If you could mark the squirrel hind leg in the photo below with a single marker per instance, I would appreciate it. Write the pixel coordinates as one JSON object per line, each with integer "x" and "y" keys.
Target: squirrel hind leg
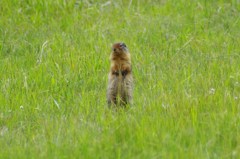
{"x": 123, "y": 102}
{"x": 112, "y": 90}
{"x": 127, "y": 94}
{"x": 126, "y": 97}
{"x": 126, "y": 100}
{"x": 112, "y": 101}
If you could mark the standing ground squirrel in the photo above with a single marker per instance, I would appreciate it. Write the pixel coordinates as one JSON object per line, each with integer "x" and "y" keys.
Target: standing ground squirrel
{"x": 120, "y": 80}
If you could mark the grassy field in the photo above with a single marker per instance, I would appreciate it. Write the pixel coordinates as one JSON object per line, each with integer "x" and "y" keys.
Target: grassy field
{"x": 54, "y": 61}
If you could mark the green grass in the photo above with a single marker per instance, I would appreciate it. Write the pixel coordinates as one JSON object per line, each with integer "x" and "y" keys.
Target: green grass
{"x": 54, "y": 63}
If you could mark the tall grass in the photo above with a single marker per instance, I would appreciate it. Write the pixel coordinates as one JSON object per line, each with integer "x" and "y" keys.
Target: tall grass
{"x": 54, "y": 61}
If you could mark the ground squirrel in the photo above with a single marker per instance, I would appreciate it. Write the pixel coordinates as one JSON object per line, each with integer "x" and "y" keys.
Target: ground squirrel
{"x": 120, "y": 80}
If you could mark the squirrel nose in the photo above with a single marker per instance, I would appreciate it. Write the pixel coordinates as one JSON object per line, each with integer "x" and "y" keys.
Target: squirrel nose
{"x": 114, "y": 49}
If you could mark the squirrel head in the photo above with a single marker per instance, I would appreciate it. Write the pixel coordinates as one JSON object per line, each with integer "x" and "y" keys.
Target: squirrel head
{"x": 119, "y": 48}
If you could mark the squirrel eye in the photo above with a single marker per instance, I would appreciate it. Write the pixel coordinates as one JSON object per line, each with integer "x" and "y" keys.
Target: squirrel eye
{"x": 123, "y": 44}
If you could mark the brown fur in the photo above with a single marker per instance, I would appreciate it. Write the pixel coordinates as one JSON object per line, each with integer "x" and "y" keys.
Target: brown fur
{"x": 120, "y": 80}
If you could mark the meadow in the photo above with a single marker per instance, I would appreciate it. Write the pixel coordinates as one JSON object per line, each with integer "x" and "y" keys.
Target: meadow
{"x": 54, "y": 63}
